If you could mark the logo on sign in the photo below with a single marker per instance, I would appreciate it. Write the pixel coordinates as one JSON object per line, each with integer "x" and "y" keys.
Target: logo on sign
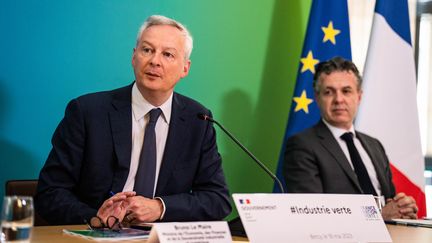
{"x": 370, "y": 212}
{"x": 244, "y": 201}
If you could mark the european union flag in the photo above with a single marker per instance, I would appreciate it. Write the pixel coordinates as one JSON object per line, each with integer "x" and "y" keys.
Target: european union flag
{"x": 327, "y": 36}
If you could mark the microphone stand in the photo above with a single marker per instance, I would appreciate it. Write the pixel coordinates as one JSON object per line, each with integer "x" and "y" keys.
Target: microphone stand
{"x": 236, "y": 225}
{"x": 205, "y": 117}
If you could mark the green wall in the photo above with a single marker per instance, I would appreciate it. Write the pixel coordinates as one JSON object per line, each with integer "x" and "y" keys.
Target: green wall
{"x": 244, "y": 67}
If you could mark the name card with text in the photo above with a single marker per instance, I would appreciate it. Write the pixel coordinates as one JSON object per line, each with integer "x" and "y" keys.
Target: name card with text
{"x": 314, "y": 218}
{"x": 191, "y": 232}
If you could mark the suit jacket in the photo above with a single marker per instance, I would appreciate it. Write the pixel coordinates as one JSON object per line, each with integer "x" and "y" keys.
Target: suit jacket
{"x": 91, "y": 155}
{"x": 315, "y": 163}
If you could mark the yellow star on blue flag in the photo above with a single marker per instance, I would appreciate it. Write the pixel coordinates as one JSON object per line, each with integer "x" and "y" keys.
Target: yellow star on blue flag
{"x": 330, "y": 33}
{"x": 309, "y": 63}
{"x": 302, "y": 102}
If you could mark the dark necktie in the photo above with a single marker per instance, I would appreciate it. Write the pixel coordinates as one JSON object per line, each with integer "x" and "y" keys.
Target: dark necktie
{"x": 145, "y": 176}
{"x": 359, "y": 167}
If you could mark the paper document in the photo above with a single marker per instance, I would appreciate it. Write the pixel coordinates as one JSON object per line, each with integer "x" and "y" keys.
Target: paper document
{"x": 109, "y": 235}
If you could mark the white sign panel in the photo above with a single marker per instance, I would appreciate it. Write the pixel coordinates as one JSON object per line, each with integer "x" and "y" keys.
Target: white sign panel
{"x": 191, "y": 232}
{"x": 314, "y": 218}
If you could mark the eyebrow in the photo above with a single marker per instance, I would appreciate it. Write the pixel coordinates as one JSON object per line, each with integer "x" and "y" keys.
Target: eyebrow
{"x": 145, "y": 43}
{"x": 150, "y": 44}
{"x": 344, "y": 87}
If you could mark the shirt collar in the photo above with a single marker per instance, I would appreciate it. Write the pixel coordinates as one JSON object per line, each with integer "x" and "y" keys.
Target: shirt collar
{"x": 140, "y": 106}
{"x": 337, "y": 132}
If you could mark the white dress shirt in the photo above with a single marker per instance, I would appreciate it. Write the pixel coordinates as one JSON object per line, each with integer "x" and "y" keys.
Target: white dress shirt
{"x": 337, "y": 133}
{"x": 140, "y": 118}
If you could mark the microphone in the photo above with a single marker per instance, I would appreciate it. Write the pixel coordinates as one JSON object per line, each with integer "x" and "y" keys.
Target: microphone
{"x": 208, "y": 118}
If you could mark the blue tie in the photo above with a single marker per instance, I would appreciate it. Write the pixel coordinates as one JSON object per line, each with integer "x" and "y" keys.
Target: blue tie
{"x": 359, "y": 167}
{"x": 146, "y": 173}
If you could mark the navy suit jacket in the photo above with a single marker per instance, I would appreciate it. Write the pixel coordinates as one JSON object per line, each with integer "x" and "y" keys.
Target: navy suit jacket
{"x": 92, "y": 151}
{"x": 315, "y": 163}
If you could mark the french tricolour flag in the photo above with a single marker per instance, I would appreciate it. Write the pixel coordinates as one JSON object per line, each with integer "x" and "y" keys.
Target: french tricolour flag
{"x": 388, "y": 109}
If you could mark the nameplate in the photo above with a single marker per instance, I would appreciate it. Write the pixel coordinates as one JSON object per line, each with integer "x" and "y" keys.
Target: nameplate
{"x": 311, "y": 218}
{"x": 208, "y": 231}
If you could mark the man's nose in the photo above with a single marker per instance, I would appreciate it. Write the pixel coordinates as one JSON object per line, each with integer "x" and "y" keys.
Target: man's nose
{"x": 338, "y": 97}
{"x": 155, "y": 59}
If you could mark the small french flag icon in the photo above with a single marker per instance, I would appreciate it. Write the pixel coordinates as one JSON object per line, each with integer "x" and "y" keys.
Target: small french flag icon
{"x": 244, "y": 201}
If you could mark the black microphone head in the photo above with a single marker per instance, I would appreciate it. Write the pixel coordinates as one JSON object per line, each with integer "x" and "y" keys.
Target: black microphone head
{"x": 202, "y": 116}
{"x": 205, "y": 117}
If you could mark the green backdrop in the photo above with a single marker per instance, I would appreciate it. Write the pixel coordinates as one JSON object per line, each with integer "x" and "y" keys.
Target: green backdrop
{"x": 244, "y": 66}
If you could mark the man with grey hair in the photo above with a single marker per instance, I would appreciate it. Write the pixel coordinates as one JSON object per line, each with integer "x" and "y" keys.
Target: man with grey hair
{"x": 332, "y": 157}
{"x": 138, "y": 153}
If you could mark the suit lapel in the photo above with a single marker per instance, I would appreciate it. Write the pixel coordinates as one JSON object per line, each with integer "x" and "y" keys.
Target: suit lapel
{"x": 121, "y": 128}
{"x": 176, "y": 135}
{"x": 332, "y": 146}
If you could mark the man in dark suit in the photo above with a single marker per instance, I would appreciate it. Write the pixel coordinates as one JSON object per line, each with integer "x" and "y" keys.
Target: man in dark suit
{"x": 320, "y": 159}
{"x": 98, "y": 167}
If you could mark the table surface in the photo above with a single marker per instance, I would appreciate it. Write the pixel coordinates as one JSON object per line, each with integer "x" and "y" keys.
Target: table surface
{"x": 399, "y": 234}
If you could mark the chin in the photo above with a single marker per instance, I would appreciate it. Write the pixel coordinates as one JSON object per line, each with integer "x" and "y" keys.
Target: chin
{"x": 149, "y": 84}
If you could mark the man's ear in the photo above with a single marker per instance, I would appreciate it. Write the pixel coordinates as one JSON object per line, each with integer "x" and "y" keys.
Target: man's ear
{"x": 186, "y": 68}
{"x": 133, "y": 56}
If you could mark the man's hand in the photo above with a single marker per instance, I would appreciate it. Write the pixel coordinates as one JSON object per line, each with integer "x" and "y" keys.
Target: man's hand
{"x": 141, "y": 209}
{"x": 115, "y": 206}
{"x": 407, "y": 205}
{"x": 401, "y": 206}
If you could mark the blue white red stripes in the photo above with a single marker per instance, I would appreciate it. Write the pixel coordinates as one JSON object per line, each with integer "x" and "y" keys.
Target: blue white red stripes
{"x": 388, "y": 110}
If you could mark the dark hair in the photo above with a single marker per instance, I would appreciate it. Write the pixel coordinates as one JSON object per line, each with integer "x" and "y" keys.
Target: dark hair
{"x": 333, "y": 65}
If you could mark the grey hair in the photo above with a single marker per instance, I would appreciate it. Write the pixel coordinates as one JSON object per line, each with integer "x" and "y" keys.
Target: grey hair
{"x": 162, "y": 20}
